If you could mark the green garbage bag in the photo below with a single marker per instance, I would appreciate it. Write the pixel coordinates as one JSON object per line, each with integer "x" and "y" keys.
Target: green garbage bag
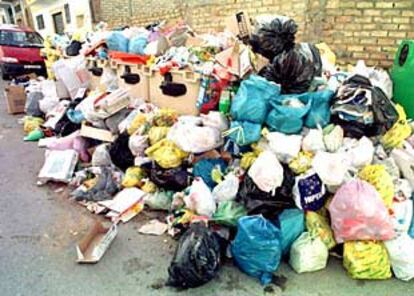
{"x": 229, "y": 212}
{"x": 34, "y": 135}
{"x": 160, "y": 200}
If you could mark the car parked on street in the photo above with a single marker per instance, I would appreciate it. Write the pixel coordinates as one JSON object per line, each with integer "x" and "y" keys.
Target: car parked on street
{"x": 20, "y": 52}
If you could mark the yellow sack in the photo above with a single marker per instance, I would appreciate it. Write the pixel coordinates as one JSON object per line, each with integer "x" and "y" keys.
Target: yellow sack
{"x": 301, "y": 163}
{"x": 377, "y": 176}
{"x": 166, "y": 154}
{"x": 367, "y": 260}
{"x": 157, "y": 133}
{"x": 149, "y": 187}
{"x": 318, "y": 225}
{"x": 165, "y": 117}
{"x": 31, "y": 123}
{"x": 400, "y": 131}
{"x": 133, "y": 177}
{"x": 139, "y": 120}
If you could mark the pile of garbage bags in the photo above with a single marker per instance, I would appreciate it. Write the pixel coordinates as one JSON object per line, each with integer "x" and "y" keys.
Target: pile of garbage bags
{"x": 292, "y": 160}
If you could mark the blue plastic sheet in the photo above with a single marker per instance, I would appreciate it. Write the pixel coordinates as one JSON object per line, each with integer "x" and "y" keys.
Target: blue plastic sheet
{"x": 118, "y": 42}
{"x": 244, "y": 132}
{"x": 137, "y": 45}
{"x": 292, "y": 224}
{"x": 251, "y": 103}
{"x": 257, "y": 249}
{"x": 203, "y": 168}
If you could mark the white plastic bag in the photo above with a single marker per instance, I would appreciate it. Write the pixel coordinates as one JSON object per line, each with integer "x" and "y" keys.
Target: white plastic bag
{"x": 266, "y": 172}
{"x": 100, "y": 156}
{"x": 403, "y": 214}
{"x": 400, "y": 251}
{"x": 308, "y": 254}
{"x": 215, "y": 120}
{"x": 137, "y": 144}
{"x": 200, "y": 200}
{"x": 333, "y": 140}
{"x": 226, "y": 189}
{"x": 313, "y": 141}
{"x": 404, "y": 159}
{"x": 359, "y": 153}
{"x": 331, "y": 167}
{"x": 286, "y": 147}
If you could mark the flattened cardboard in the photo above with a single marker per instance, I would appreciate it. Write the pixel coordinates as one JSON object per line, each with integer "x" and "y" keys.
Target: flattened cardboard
{"x": 96, "y": 133}
{"x": 239, "y": 24}
{"x": 15, "y": 99}
{"x": 95, "y": 243}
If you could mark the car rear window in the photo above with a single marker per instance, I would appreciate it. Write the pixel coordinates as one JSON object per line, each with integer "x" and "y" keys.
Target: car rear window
{"x": 21, "y": 39}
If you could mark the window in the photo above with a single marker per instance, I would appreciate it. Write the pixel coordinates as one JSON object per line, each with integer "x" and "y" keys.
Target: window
{"x": 17, "y": 8}
{"x": 21, "y": 39}
{"x": 58, "y": 22}
{"x": 40, "y": 22}
{"x": 67, "y": 13}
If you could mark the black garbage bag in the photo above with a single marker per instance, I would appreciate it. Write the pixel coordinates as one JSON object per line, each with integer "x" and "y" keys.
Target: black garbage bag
{"x": 362, "y": 109}
{"x": 65, "y": 126}
{"x": 73, "y": 48}
{"x": 197, "y": 258}
{"x": 269, "y": 205}
{"x": 273, "y": 37}
{"x": 176, "y": 179}
{"x": 105, "y": 187}
{"x": 294, "y": 69}
{"x": 120, "y": 154}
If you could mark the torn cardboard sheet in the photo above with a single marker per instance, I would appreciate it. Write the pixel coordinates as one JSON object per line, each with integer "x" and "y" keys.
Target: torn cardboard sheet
{"x": 59, "y": 166}
{"x": 96, "y": 133}
{"x": 95, "y": 243}
{"x": 114, "y": 102}
{"x": 153, "y": 227}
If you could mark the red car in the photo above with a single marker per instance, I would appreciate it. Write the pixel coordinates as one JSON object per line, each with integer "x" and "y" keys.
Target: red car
{"x": 20, "y": 52}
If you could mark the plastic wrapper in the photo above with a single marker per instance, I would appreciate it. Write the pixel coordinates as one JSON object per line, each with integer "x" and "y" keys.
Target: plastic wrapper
{"x": 358, "y": 213}
{"x": 318, "y": 225}
{"x": 257, "y": 249}
{"x": 200, "y": 199}
{"x": 166, "y": 154}
{"x": 400, "y": 251}
{"x": 309, "y": 192}
{"x": 273, "y": 34}
{"x": 228, "y": 213}
{"x": 120, "y": 154}
{"x": 227, "y": 189}
{"x": 377, "y": 176}
{"x": 269, "y": 204}
{"x": 133, "y": 177}
{"x": 266, "y": 172}
{"x": 251, "y": 102}
{"x": 291, "y": 224}
{"x": 294, "y": 69}
{"x": 367, "y": 260}
{"x": 308, "y": 254}
{"x": 197, "y": 258}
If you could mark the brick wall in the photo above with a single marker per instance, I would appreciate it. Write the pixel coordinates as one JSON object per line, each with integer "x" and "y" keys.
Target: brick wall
{"x": 354, "y": 29}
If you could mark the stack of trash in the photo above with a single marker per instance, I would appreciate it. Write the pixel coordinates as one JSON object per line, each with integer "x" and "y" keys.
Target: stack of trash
{"x": 293, "y": 159}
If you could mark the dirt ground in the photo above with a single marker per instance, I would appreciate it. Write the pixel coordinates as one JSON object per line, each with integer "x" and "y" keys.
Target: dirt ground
{"x": 39, "y": 227}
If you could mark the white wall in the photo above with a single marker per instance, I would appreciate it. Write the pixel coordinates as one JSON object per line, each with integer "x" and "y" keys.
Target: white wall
{"x": 46, "y": 8}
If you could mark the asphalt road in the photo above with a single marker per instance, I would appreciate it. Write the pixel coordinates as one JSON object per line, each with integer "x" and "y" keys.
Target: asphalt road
{"x": 40, "y": 227}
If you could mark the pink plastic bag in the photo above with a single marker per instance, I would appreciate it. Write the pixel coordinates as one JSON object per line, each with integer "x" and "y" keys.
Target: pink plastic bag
{"x": 73, "y": 141}
{"x": 358, "y": 213}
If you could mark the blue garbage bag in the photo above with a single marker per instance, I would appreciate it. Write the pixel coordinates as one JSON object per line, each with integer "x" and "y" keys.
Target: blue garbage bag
{"x": 137, "y": 45}
{"x": 244, "y": 132}
{"x": 251, "y": 102}
{"x": 288, "y": 112}
{"x": 118, "y": 42}
{"x": 203, "y": 168}
{"x": 320, "y": 113}
{"x": 257, "y": 249}
{"x": 292, "y": 224}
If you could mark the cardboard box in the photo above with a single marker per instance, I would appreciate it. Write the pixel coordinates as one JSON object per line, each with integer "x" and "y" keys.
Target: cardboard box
{"x": 15, "y": 98}
{"x": 95, "y": 243}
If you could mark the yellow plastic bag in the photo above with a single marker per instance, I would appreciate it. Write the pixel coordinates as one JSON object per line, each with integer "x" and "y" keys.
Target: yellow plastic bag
{"x": 249, "y": 157}
{"x": 377, "y": 176}
{"x": 31, "y": 123}
{"x": 400, "y": 131}
{"x": 149, "y": 187}
{"x": 318, "y": 225}
{"x": 157, "y": 133}
{"x": 166, "y": 154}
{"x": 165, "y": 117}
{"x": 133, "y": 177}
{"x": 301, "y": 163}
{"x": 139, "y": 120}
{"x": 367, "y": 260}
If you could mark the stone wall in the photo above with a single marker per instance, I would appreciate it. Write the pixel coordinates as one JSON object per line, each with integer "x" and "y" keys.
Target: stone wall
{"x": 354, "y": 29}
